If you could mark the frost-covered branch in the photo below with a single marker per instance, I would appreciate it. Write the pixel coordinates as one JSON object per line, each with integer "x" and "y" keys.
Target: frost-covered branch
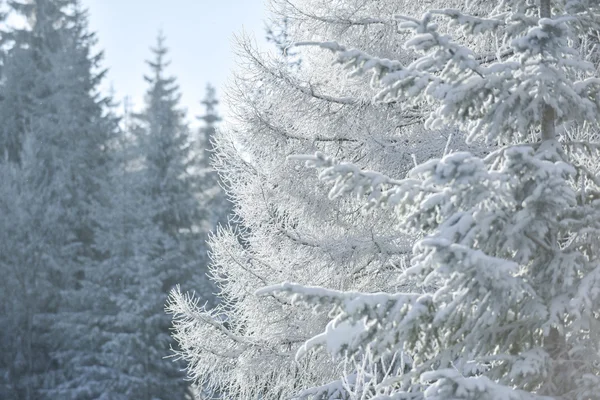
{"x": 468, "y": 93}
{"x": 187, "y": 314}
{"x": 347, "y": 178}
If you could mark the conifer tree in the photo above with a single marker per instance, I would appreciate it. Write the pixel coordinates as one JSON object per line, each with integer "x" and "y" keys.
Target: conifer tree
{"x": 166, "y": 145}
{"x": 216, "y": 204}
{"x": 27, "y": 292}
{"x": 509, "y": 243}
{"x": 130, "y": 296}
{"x": 174, "y": 245}
{"x": 55, "y": 135}
{"x": 211, "y": 117}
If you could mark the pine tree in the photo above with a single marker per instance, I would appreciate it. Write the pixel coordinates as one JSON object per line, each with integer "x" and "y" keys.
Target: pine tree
{"x": 509, "y": 247}
{"x": 130, "y": 296}
{"x": 216, "y": 206}
{"x": 173, "y": 245}
{"x": 211, "y": 117}
{"x": 27, "y": 293}
{"x": 55, "y": 133}
{"x": 166, "y": 146}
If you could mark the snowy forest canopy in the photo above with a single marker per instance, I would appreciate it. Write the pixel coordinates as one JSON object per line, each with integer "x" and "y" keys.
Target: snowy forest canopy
{"x": 415, "y": 210}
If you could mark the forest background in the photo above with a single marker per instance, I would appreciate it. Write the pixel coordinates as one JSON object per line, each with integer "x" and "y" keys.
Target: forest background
{"x": 107, "y": 200}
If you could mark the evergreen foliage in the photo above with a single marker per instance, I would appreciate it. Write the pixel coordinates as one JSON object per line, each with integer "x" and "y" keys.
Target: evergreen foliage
{"x": 174, "y": 242}
{"x": 55, "y": 135}
{"x": 97, "y": 224}
{"x": 217, "y": 207}
{"x": 509, "y": 245}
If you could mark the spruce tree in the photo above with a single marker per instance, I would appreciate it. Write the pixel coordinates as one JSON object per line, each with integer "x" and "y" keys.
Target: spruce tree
{"x": 216, "y": 204}
{"x": 130, "y": 296}
{"x": 166, "y": 145}
{"x": 55, "y": 134}
{"x": 28, "y": 294}
{"x": 509, "y": 248}
{"x": 174, "y": 244}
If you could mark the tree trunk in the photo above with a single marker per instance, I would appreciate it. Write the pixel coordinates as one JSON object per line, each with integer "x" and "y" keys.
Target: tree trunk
{"x": 545, "y": 9}
{"x": 554, "y": 343}
{"x": 548, "y": 113}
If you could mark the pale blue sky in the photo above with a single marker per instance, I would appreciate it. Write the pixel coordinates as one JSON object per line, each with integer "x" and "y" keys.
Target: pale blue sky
{"x": 199, "y": 35}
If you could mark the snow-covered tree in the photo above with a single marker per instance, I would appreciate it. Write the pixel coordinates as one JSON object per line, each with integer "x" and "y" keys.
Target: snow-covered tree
{"x": 129, "y": 285}
{"x": 27, "y": 291}
{"x": 287, "y": 231}
{"x": 172, "y": 242}
{"x": 211, "y": 116}
{"x": 509, "y": 252}
{"x": 54, "y": 135}
{"x": 168, "y": 162}
{"x": 214, "y": 201}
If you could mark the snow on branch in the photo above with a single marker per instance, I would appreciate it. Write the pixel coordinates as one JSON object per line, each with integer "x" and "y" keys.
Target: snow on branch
{"x": 187, "y": 315}
{"x": 471, "y": 24}
{"x": 347, "y": 178}
{"x": 330, "y": 390}
{"x": 499, "y": 102}
{"x": 353, "y": 302}
{"x": 358, "y": 310}
{"x": 421, "y": 188}
{"x": 360, "y": 62}
{"x": 480, "y": 387}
